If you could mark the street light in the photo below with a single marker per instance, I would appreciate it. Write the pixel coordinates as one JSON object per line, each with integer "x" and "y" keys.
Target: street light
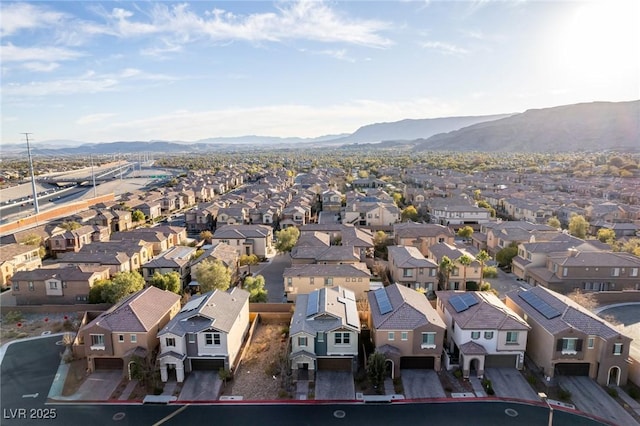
{"x": 543, "y": 396}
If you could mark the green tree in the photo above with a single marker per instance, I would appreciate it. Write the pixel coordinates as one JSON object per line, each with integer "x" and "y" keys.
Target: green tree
{"x": 70, "y": 225}
{"x": 578, "y": 226}
{"x": 409, "y": 213}
{"x": 397, "y": 198}
{"x": 138, "y": 216}
{"x": 255, "y": 287}
{"x": 206, "y": 236}
{"x": 482, "y": 258}
{"x": 606, "y": 235}
{"x": 476, "y": 194}
{"x": 446, "y": 266}
{"x": 170, "y": 281}
{"x": 211, "y": 275}
{"x": 32, "y": 240}
{"x": 464, "y": 260}
{"x": 554, "y": 222}
{"x": 465, "y": 232}
{"x": 485, "y": 205}
{"x": 95, "y": 292}
{"x": 122, "y": 285}
{"x": 376, "y": 371}
{"x": 506, "y": 255}
{"x": 248, "y": 259}
{"x": 287, "y": 239}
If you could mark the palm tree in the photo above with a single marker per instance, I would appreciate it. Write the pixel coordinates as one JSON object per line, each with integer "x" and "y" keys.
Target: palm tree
{"x": 446, "y": 265}
{"x": 464, "y": 260}
{"x": 482, "y": 257}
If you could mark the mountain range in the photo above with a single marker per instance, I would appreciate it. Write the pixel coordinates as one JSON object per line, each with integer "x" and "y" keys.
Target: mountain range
{"x": 592, "y": 126}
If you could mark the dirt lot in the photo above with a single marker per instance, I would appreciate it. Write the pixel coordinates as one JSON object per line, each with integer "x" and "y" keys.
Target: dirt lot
{"x": 17, "y": 326}
{"x": 262, "y": 374}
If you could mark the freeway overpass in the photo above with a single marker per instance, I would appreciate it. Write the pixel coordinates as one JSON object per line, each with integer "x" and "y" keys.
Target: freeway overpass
{"x": 84, "y": 176}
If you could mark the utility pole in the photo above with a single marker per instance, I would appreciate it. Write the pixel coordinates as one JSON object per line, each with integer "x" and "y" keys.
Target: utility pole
{"x": 93, "y": 177}
{"x": 33, "y": 178}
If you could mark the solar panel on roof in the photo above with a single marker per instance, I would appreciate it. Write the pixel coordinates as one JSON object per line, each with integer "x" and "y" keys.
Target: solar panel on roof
{"x": 351, "y": 312}
{"x": 469, "y": 299}
{"x": 313, "y": 303}
{"x": 540, "y": 305}
{"x": 348, "y": 294}
{"x": 458, "y": 304}
{"x": 383, "y": 301}
{"x": 191, "y": 305}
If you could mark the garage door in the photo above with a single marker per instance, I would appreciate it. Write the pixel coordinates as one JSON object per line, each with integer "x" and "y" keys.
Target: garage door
{"x": 207, "y": 364}
{"x": 500, "y": 361}
{"x": 572, "y": 369}
{"x": 108, "y": 363}
{"x": 417, "y": 362}
{"x": 334, "y": 364}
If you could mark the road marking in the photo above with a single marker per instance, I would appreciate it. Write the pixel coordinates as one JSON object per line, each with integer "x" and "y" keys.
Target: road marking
{"x": 31, "y": 395}
{"x": 175, "y": 413}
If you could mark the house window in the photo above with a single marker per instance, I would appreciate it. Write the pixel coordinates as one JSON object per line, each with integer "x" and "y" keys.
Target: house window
{"x": 120, "y": 338}
{"x": 428, "y": 341}
{"x": 16, "y": 286}
{"x": 289, "y": 281}
{"x": 31, "y": 287}
{"x": 633, "y": 272}
{"x": 617, "y": 348}
{"x": 407, "y": 272}
{"x": 565, "y": 272}
{"x": 475, "y": 335}
{"x": 320, "y": 337}
{"x": 404, "y": 336}
{"x": 569, "y": 346}
{"x": 53, "y": 285}
{"x": 97, "y": 341}
{"x": 170, "y": 341}
{"x": 615, "y": 272}
{"x": 212, "y": 339}
{"x": 328, "y": 281}
{"x": 191, "y": 338}
{"x": 342, "y": 338}
{"x": 311, "y": 280}
{"x": 512, "y": 338}
{"x": 488, "y": 335}
{"x": 302, "y": 341}
{"x": 591, "y": 342}
{"x": 134, "y": 338}
{"x": 421, "y": 271}
{"x": 391, "y": 336}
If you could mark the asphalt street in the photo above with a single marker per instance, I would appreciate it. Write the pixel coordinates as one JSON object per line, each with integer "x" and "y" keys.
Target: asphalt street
{"x": 272, "y": 272}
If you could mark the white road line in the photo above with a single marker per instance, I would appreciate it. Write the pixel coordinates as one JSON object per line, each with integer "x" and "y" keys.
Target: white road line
{"x": 175, "y": 413}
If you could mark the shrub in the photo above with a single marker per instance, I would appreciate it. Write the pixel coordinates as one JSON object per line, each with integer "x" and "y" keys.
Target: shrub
{"x": 531, "y": 379}
{"x": 13, "y": 316}
{"x": 634, "y": 393}
{"x": 564, "y": 395}
{"x": 612, "y": 392}
{"x": 490, "y": 391}
{"x": 490, "y": 272}
{"x": 448, "y": 389}
{"x": 457, "y": 373}
{"x": 283, "y": 394}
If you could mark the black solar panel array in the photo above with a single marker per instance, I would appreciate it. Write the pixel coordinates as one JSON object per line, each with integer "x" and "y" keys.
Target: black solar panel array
{"x": 540, "y": 305}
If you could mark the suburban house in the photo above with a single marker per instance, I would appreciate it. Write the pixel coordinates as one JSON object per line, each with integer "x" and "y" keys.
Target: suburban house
{"x": 567, "y": 339}
{"x": 406, "y": 329}
{"x": 206, "y": 334}
{"x": 176, "y": 259}
{"x": 457, "y": 212}
{"x": 17, "y": 257}
{"x": 331, "y": 201}
{"x": 324, "y": 331}
{"x": 247, "y": 239}
{"x": 587, "y": 270}
{"x": 75, "y": 239}
{"x": 408, "y": 267}
{"x": 482, "y": 332}
{"x": 161, "y": 238}
{"x": 422, "y": 235}
{"x": 460, "y": 274}
{"x": 119, "y": 256}
{"x": 109, "y": 340}
{"x": 56, "y": 286}
{"x": 303, "y": 279}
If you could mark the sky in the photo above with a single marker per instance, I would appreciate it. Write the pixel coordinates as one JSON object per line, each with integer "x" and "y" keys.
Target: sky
{"x": 185, "y": 71}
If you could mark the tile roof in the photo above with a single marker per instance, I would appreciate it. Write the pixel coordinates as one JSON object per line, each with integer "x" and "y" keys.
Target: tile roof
{"x": 335, "y": 306}
{"x": 410, "y": 309}
{"x": 139, "y": 312}
{"x": 328, "y": 270}
{"x": 489, "y": 313}
{"x": 409, "y": 257}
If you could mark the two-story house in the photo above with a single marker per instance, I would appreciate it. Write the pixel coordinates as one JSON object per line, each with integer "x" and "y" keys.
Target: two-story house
{"x": 247, "y": 239}
{"x": 408, "y": 267}
{"x": 176, "y": 259}
{"x": 303, "y": 279}
{"x": 568, "y": 340}
{"x": 406, "y": 329}
{"x": 109, "y": 340}
{"x": 422, "y": 235}
{"x": 74, "y": 240}
{"x": 324, "y": 331}
{"x": 206, "y": 334}
{"x": 482, "y": 332}
{"x": 17, "y": 257}
{"x": 460, "y": 274}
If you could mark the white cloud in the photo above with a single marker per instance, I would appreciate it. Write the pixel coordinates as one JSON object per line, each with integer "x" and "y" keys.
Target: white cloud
{"x": 41, "y": 66}
{"x": 25, "y": 16}
{"x": 94, "y": 118}
{"x": 445, "y": 48}
{"x": 11, "y": 53}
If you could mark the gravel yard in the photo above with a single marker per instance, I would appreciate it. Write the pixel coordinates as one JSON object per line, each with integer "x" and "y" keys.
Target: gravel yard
{"x": 16, "y": 325}
{"x": 260, "y": 375}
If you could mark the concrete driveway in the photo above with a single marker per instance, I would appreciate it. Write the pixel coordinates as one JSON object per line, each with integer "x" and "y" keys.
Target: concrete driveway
{"x": 201, "y": 386}
{"x": 421, "y": 384}
{"x": 509, "y": 383}
{"x": 98, "y": 386}
{"x": 591, "y": 398}
{"x": 335, "y": 385}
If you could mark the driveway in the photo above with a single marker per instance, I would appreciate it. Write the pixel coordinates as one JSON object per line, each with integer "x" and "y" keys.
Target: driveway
{"x": 509, "y": 383}
{"x": 421, "y": 384}
{"x": 272, "y": 272}
{"x": 201, "y": 386}
{"x": 591, "y": 398}
{"x": 335, "y": 385}
{"x": 98, "y": 386}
